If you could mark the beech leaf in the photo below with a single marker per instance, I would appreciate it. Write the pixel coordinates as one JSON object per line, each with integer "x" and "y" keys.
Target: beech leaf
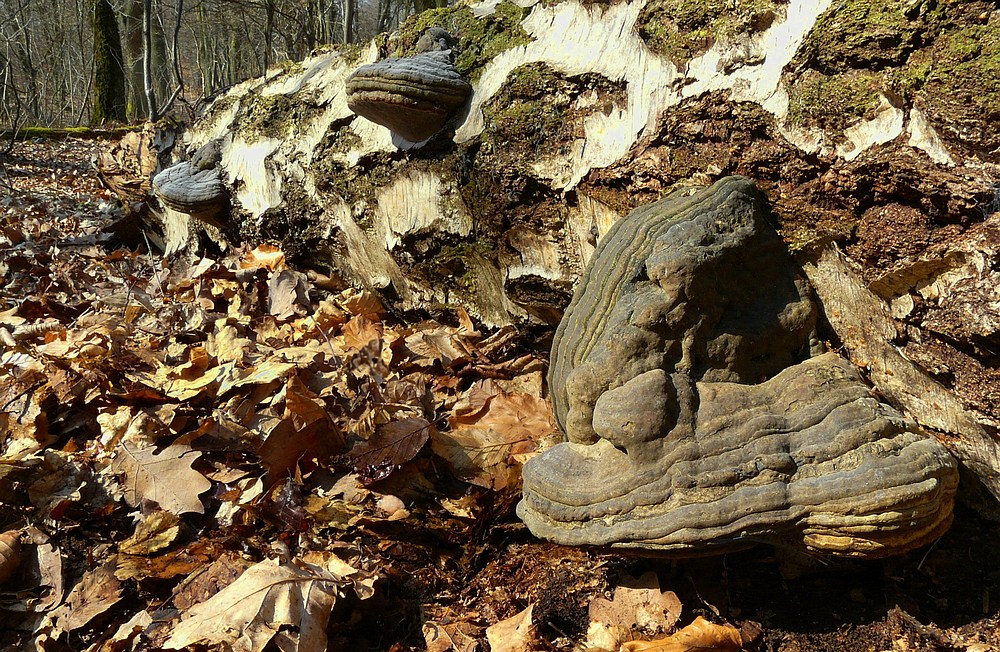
{"x": 393, "y": 444}
{"x": 10, "y": 553}
{"x": 638, "y": 604}
{"x": 488, "y": 429}
{"x": 165, "y": 478}
{"x": 93, "y": 596}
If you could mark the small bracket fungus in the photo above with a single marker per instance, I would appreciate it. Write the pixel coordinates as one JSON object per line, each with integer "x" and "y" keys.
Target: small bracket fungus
{"x": 194, "y": 187}
{"x": 413, "y": 96}
{"x": 703, "y": 416}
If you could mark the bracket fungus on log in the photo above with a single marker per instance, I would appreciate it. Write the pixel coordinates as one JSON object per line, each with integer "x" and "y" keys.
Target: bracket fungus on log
{"x": 701, "y": 413}
{"x": 413, "y": 96}
{"x": 194, "y": 187}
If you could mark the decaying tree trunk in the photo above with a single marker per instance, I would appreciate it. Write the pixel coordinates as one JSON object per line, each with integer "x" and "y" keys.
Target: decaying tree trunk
{"x": 874, "y": 128}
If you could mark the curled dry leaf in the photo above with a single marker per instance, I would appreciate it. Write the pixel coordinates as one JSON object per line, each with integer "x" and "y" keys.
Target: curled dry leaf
{"x": 94, "y": 595}
{"x": 512, "y": 635}
{"x": 156, "y": 532}
{"x": 266, "y": 255}
{"x": 699, "y": 635}
{"x": 448, "y": 638}
{"x": 288, "y": 293}
{"x": 267, "y": 598}
{"x": 489, "y": 430}
{"x": 10, "y": 554}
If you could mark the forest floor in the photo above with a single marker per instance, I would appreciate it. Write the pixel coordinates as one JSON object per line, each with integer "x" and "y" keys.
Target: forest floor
{"x": 221, "y": 454}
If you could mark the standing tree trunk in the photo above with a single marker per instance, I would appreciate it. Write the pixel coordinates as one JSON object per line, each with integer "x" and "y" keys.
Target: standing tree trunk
{"x": 161, "y": 60}
{"x": 269, "y": 10}
{"x": 134, "y": 51}
{"x": 350, "y": 6}
{"x": 109, "y": 71}
{"x": 147, "y": 59}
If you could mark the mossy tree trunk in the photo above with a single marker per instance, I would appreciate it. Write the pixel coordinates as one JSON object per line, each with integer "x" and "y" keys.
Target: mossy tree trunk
{"x": 109, "y": 68}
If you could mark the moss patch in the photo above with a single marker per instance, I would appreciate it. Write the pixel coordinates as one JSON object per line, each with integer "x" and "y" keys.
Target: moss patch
{"x": 352, "y": 183}
{"x": 833, "y": 101}
{"x": 958, "y": 81}
{"x": 480, "y": 39}
{"x": 684, "y": 29}
{"x": 535, "y": 113}
{"x": 870, "y": 34}
{"x": 526, "y": 113}
{"x": 274, "y": 116}
{"x": 450, "y": 260}
{"x": 942, "y": 56}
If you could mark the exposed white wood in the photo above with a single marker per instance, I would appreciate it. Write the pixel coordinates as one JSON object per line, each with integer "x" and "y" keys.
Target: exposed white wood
{"x": 258, "y": 184}
{"x": 412, "y": 205}
{"x": 575, "y": 39}
{"x": 364, "y": 257}
{"x": 925, "y": 138}
{"x": 887, "y": 125}
{"x": 176, "y": 230}
{"x": 538, "y": 254}
{"x": 588, "y": 221}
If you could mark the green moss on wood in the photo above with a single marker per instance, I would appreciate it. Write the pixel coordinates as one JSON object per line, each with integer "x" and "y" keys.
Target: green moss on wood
{"x": 957, "y": 80}
{"x": 451, "y": 261}
{"x": 526, "y": 113}
{"x": 27, "y": 133}
{"x": 353, "y": 183}
{"x": 534, "y": 112}
{"x": 833, "y": 101}
{"x": 683, "y": 29}
{"x": 274, "y": 116}
{"x": 967, "y": 60}
{"x": 870, "y": 34}
{"x": 480, "y": 39}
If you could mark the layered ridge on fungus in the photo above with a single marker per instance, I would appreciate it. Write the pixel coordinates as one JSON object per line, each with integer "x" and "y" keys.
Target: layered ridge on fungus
{"x": 698, "y": 422}
{"x": 412, "y": 96}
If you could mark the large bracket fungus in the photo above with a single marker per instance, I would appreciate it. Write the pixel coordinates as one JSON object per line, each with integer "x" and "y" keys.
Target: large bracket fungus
{"x": 413, "y": 96}
{"x": 703, "y": 416}
{"x": 194, "y": 187}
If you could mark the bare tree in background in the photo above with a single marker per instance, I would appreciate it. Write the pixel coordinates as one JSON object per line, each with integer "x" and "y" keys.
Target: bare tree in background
{"x": 172, "y": 49}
